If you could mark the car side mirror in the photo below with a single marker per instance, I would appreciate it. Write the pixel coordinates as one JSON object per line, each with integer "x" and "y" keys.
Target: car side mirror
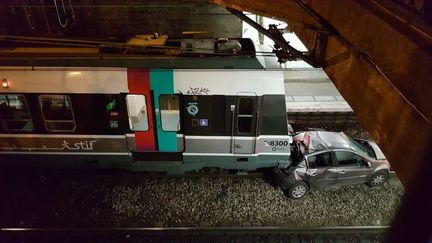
{"x": 368, "y": 164}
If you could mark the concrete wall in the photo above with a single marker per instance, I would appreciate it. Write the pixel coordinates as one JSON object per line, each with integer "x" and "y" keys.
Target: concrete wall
{"x": 118, "y": 19}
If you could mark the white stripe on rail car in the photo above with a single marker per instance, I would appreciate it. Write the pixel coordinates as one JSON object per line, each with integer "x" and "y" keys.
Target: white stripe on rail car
{"x": 66, "y": 80}
{"x": 228, "y": 82}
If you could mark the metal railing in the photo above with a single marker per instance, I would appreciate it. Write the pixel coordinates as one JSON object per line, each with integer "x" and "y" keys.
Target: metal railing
{"x": 200, "y": 234}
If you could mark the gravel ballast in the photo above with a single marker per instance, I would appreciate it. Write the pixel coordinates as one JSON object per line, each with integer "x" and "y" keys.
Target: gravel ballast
{"x": 136, "y": 200}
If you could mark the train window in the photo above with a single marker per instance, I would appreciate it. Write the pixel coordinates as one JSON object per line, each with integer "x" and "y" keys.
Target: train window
{"x": 57, "y": 112}
{"x": 170, "y": 112}
{"x": 137, "y": 112}
{"x": 245, "y": 106}
{"x": 245, "y": 115}
{"x": 14, "y": 113}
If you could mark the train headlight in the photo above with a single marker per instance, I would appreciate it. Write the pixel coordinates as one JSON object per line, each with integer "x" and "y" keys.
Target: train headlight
{"x": 5, "y": 83}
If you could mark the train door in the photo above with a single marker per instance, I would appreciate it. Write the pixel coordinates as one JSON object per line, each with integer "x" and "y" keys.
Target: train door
{"x": 170, "y": 138}
{"x": 154, "y": 116}
{"x": 140, "y": 114}
{"x": 244, "y": 129}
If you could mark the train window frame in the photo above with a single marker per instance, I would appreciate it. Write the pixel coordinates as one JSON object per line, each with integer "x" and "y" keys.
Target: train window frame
{"x": 241, "y": 115}
{"x": 178, "y": 109}
{"x": 146, "y": 117}
{"x": 58, "y": 121}
{"x": 26, "y": 106}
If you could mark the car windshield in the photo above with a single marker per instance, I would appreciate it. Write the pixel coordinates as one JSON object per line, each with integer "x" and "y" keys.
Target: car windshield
{"x": 361, "y": 148}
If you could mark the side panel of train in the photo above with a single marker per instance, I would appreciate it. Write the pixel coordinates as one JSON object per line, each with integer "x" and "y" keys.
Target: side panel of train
{"x": 143, "y": 120}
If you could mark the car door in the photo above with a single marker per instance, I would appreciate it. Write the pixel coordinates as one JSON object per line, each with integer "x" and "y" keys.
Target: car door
{"x": 351, "y": 168}
{"x": 320, "y": 170}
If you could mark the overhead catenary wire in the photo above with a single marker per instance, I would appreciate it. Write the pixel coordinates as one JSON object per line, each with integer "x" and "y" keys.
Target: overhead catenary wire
{"x": 64, "y": 25}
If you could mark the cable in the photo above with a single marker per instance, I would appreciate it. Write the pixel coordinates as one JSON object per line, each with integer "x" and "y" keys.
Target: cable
{"x": 58, "y": 14}
{"x": 63, "y": 25}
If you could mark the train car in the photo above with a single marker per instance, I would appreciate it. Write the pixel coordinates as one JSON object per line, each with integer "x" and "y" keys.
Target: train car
{"x": 143, "y": 119}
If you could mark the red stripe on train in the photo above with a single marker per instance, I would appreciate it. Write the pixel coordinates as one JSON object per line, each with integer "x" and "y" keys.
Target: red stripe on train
{"x": 139, "y": 83}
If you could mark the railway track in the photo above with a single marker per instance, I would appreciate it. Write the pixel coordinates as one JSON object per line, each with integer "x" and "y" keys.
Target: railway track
{"x": 203, "y": 234}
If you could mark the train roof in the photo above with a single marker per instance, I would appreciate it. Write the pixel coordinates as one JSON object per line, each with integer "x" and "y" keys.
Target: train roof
{"x": 250, "y": 56}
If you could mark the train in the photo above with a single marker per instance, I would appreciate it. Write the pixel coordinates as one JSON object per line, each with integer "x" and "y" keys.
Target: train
{"x": 154, "y": 115}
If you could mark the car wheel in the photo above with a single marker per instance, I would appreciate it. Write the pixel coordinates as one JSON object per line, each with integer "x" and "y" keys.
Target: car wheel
{"x": 298, "y": 190}
{"x": 377, "y": 179}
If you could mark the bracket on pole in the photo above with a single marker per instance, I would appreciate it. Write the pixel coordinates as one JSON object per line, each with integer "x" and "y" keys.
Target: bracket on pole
{"x": 283, "y": 50}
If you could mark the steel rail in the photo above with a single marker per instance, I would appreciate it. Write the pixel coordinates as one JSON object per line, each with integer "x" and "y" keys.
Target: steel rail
{"x": 200, "y": 234}
{"x": 252, "y": 230}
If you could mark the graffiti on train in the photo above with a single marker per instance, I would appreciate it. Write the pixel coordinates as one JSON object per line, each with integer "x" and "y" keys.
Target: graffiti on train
{"x": 198, "y": 91}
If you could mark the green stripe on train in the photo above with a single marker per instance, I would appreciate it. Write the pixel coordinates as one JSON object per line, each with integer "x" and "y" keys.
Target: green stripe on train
{"x": 162, "y": 82}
